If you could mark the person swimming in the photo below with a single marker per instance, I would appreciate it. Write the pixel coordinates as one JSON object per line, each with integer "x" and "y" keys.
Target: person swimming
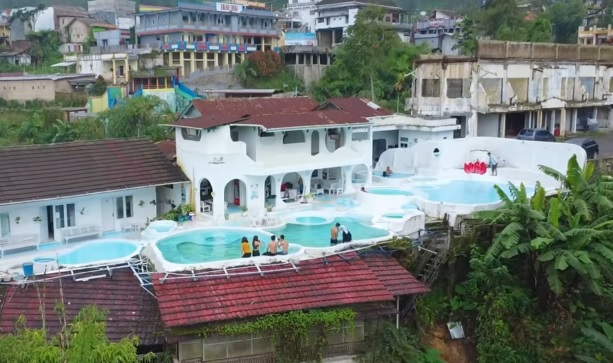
{"x": 245, "y": 247}
{"x": 334, "y": 234}
{"x": 388, "y": 171}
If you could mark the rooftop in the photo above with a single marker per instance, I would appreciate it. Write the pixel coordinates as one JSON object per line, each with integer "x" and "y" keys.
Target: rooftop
{"x": 337, "y": 280}
{"x": 272, "y": 113}
{"x": 39, "y": 172}
{"x": 130, "y": 308}
{"x": 52, "y": 77}
{"x": 206, "y": 6}
{"x": 386, "y": 3}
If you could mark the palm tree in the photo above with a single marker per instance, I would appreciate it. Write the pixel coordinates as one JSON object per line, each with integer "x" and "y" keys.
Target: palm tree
{"x": 603, "y": 339}
{"x": 63, "y": 132}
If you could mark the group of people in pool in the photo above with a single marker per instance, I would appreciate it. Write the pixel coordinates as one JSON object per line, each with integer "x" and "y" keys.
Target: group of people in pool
{"x": 272, "y": 249}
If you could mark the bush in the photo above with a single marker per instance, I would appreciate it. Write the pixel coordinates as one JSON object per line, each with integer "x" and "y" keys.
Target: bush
{"x": 266, "y": 64}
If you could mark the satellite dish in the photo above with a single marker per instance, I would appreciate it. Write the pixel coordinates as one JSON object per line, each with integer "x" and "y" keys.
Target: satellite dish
{"x": 423, "y": 13}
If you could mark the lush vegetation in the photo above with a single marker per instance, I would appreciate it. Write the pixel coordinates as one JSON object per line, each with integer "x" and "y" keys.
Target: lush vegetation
{"x": 83, "y": 340}
{"x": 137, "y": 117}
{"x": 533, "y": 282}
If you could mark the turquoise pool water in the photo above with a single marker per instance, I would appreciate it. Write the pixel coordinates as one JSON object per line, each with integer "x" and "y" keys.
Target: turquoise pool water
{"x": 311, "y": 220}
{"x": 409, "y": 206}
{"x": 209, "y": 245}
{"x": 99, "y": 251}
{"x": 393, "y": 215}
{"x": 424, "y": 179}
{"x": 393, "y": 176}
{"x": 465, "y": 192}
{"x": 388, "y": 191}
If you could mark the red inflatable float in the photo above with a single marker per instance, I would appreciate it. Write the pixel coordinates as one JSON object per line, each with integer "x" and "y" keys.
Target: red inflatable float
{"x": 475, "y": 168}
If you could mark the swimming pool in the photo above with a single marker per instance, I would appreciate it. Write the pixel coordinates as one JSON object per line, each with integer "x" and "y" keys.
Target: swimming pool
{"x": 157, "y": 229}
{"x": 388, "y": 191}
{"x": 393, "y": 175}
{"x": 465, "y": 192}
{"x": 394, "y": 215}
{"x": 211, "y": 244}
{"x": 98, "y": 252}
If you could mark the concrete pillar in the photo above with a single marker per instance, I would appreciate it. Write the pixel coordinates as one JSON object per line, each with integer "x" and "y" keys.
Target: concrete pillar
{"x": 215, "y": 60}
{"x": 573, "y": 120}
{"x": 502, "y": 124}
{"x": 219, "y": 206}
{"x": 347, "y": 173}
{"x": 563, "y": 122}
{"x": 528, "y": 121}
{"x": 181, "y": 60}
{"x": 279, "y": 203}
{"x": 114, "y": 65}
{"x": 126, "y": 70}
{"x": 539, "y": 119}
{"x": 193, "y": 63}
{"x": 224, "y": 60}
{"x": 596, "y": 114}
{"x": 306, "y": 181}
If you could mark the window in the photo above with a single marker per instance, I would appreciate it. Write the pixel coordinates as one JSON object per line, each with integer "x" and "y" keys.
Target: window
{"x": 458, "y": 88}
{"x": 121, "y": 71}
{"x": 267, "y": 134}
{"x": 191, "y": 134}
{"x": 431, "y": 87}
{"x": 65, "y": 215}
{"x": 5, "y": 224}
{"x": 293, "y": 137}
{"x": 125, "y": 207}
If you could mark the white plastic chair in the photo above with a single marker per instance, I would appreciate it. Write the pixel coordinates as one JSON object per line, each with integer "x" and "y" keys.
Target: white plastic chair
{"x": 335, "y": 188}
{"x": 204, "y": 207}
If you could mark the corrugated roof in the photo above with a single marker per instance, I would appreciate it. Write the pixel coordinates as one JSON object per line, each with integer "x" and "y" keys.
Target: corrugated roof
{"x": 388, "y": 3}
{"x": 37, "y": 172}
{"x": 130, "y": 309}
{"x": 319, "y": 283}
{"x": 279, "y": 113}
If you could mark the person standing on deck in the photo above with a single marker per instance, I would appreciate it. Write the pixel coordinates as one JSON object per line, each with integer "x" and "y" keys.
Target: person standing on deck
{"x": 493, "y": 164}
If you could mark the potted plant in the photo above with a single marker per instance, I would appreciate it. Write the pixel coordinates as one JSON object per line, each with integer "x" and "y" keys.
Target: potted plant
{"x": 309, "y": 197}
{"x": 37, "y": 219}
{"x": 141, "y": 203}
{"x": 226, "y": 216}
{"x": 269, "y": 208}
{"x": 244, "y": 210}
{"x": 17, "y": 220}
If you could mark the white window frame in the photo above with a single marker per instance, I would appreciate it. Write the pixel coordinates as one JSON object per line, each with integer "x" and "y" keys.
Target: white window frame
{"x": 123, "y": 205}
{"x": 4, "y": 233}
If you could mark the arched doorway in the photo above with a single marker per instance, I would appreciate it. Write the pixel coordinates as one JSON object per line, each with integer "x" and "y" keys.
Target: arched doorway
{"x": 292, "y": 187}
{"x": 235, "y": 196}
{"x": 359, "y": 175}
{"x": 270, "y": 190}
{"x": 315, "y": 143}
{"x": 206, "y": 196}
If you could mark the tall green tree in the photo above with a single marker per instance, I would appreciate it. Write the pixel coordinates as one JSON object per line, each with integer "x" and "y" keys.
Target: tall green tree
{"x": 467, "y": 37}
{"x": 502, "y": 18}
{"x": 138, "y": 117}
{"x": 539, "y": 30}
{"x": 566, "y": 16}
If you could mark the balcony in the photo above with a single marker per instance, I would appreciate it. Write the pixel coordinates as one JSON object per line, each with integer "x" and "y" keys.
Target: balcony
{"x": 205, "y": 27}
{"x": 211, "y": 47}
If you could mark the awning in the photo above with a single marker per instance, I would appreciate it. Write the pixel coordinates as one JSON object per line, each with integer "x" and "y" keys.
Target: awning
{"x": 63, "y": 64}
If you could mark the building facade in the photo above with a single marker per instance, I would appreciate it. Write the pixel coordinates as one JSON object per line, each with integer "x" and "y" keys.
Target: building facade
{"x": 594, "y": 35}
{"x": 207, "y": 36}
{"x": 437, "y": 31}
{"x": 45, "y": 88}
{"x": 333, "y": 17}
{"x": 509, "y": 86}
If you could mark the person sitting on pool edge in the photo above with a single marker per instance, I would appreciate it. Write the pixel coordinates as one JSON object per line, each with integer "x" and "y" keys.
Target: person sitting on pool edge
{"x": 284, "y": 245}
{"x": 256, "y": 244}
{"x": 388, "y": 171}
{"x": 334, "y": 235}
{"x": 271, "y": 249}
{"x": 245, "y": 247}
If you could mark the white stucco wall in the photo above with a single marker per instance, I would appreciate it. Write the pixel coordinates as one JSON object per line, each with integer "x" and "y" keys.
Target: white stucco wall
{"x": 88, "y": 210}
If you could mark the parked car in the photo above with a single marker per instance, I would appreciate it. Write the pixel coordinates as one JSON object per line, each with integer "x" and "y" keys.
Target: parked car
{"x": 589, "y": 145}
{"x": 536, "y": 135}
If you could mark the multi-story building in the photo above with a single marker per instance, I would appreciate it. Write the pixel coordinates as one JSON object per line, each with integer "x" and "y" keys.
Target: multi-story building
{"x": 117, "y": 12}
{"x": 437, "y": 31}
{"x": 508, "y": 86}
{"x": 207, "y": 36}
{"x": 333, "y": 17}
{"x": 594, "y": 35}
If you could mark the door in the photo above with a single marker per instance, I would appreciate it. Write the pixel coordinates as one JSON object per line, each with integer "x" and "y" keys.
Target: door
{"x": 60, "y": 216}
{"x": 378, "y": 147}
{"x": 108, "y": 215}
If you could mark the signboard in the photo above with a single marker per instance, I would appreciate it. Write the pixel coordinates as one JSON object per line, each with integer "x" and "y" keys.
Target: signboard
{"x": 229, "y": 8}
{"x": 292, "y": 38}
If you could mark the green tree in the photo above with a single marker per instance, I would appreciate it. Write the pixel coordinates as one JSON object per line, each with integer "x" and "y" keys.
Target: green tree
{"x": 566, "y": 16}
{"x": 466, "y": 38}
{"x": 502, "y": 18}
{"x": 45, "y": 46}
{"x": 604, "y": 341}
{"x": 62, "y": 132}
{"x": 138, "y": 117}
{"x": 539, "y": 31}
{"x": 82, "y": 341}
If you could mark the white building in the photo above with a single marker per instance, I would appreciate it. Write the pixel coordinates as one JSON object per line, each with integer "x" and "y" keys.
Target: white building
{"x": 509, "y": 86}
{"x": 84, "y": 189}
{"x": 333, "y": 17}
{"x": 256, "y": 153}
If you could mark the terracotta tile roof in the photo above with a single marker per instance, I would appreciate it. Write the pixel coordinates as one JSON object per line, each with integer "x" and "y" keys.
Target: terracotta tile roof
{"x": 168, "y": 148}
{"x": 35, "y": 172}
{"x": 394, "y": 277}
{"x": 317, "y": 284}
{"x": 358, "y": 106}
{"x": 279, "y": 113}
{"x": 130, "y": 309}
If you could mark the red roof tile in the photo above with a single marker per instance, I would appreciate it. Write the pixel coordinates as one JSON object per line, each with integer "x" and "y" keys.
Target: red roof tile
{"x": 317, "y": 284}
{"x": 394, "y": 277}
{"x": 168, "y": 148}
{"x": 278, "y": 113}
{"x": 35, "y": 172}
{"x": 130, "y": 309}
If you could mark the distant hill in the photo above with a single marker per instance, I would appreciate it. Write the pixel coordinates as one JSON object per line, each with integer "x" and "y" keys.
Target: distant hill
{"x": 420, "y": 5}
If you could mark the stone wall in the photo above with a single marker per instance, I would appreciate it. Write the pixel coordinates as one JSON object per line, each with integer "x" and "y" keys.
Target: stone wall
{"x": 499, "y": 50}
{"x": 308, "y": 73}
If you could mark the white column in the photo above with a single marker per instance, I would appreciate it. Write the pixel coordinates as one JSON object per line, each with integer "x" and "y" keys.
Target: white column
{"x": 563, "y": 122}
{"x": 596, "y": 114}
{"x": 219, "y": 207}
{"x": 348, "y": 185}
{"x": 573, "y": 121}
{"x": 279, "y": 203}
{"x": 503, "y": 125}
{"x": 306, "y": 181}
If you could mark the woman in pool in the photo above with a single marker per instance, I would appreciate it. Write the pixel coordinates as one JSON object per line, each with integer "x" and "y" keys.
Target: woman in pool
{"x": 256, "y": 244}
{"x": 245, "y": 247}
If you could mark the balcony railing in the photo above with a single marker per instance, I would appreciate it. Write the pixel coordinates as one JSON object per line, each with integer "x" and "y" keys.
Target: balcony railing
{"x": 211, "y": 47}
{"x": 212, "y": 28}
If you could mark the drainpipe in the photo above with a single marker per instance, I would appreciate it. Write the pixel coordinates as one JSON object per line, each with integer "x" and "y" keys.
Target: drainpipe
{"x": 397, "y": 312}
